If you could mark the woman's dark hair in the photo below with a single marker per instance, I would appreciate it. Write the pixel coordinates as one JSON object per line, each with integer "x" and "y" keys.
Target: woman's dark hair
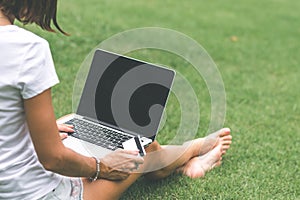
{"x": 40, "y": 12}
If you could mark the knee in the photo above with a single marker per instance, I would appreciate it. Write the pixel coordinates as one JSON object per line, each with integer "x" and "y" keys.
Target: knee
{"x": 154, "y": 146}
{"x": 158, "y": 174}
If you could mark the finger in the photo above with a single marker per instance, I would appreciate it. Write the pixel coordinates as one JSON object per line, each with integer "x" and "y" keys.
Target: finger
{"x": 65, "y": 128}
{"x": 63, "y": 135}
{"x": 62, "y": 124}
{"x": 131, "y": 152}
{"x": 130, "y": 164}
{"x": 133, "y": 166}
{"x": 127, "y": 168}
{"x": 132, "y": 157}
{"x": 129, "y": 158}
{"x": 69, "y": 125}
{"x": 139, "y": 160}
{"x": 136, "y": 165}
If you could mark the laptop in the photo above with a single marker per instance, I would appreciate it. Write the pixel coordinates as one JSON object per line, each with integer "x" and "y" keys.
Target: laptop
{"x": 123, "y": 98}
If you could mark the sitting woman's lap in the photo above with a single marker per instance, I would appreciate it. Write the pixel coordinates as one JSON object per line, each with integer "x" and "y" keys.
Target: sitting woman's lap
{"x": 69, "y": 188}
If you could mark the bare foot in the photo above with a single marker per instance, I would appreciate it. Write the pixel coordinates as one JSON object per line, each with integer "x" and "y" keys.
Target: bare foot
{"x": 212, "y": 148}
{"x": 204, "y": 145}
{"x": 225, "y": 139}
{"x": 198, "y": 166}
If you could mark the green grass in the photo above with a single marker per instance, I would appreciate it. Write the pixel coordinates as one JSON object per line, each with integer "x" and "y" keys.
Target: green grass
{"x": 260, "y": 72}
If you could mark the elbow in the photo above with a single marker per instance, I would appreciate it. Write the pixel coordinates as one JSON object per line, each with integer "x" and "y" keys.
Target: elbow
{"x": 52, "y": 163}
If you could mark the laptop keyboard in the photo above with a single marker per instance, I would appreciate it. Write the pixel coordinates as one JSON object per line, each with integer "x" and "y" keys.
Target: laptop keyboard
{"x": 97, "y": 134}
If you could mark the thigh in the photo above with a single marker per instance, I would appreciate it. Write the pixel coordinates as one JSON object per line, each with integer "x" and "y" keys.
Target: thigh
{"x": 106, "y": 189}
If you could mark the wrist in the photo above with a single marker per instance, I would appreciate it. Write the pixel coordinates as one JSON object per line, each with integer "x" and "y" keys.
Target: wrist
{"x": 95, "y": 177}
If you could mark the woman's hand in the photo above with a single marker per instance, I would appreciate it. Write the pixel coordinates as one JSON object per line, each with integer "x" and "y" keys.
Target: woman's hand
{"x": 64, "y": 129}
{"x": 119, "y": 164}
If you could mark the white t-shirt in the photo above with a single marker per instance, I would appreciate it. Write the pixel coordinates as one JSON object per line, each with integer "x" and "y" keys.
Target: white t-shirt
{"x": 26, "y": 70}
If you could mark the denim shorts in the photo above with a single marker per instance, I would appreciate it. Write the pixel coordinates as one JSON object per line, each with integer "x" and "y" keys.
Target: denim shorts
{"x": 67, "y": 189}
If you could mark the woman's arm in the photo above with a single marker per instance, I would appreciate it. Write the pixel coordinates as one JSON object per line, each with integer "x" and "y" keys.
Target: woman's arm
{"x": 54, "y": 156}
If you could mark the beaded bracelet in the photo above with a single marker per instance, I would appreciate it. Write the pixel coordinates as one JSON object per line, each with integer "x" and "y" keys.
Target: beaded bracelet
{"x": 97, "y": 170}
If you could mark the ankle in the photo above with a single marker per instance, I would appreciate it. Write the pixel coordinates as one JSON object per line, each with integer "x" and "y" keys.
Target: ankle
{"x": 196, "y": 146}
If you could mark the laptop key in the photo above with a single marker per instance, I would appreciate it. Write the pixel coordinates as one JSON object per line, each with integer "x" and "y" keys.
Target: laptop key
{"x": 96, "y": 134}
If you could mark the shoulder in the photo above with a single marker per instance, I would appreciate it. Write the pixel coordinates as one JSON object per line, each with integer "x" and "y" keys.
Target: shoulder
{"x": 25, "y": 38}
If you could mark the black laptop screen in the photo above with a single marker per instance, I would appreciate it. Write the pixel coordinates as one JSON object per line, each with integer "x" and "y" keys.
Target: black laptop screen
{"x": 125, "y": 93}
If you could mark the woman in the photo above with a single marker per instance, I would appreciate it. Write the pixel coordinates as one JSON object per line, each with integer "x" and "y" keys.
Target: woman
{"x": 34, "y": 163}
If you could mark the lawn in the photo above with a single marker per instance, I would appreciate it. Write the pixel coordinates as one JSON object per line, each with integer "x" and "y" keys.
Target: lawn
{"x": 255, "y": 45}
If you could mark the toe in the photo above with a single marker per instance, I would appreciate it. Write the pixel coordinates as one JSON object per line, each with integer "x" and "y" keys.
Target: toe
{"x": 224, "y": 131}
{"x": 225, "y": 147}
{"x": 226, "y": 142}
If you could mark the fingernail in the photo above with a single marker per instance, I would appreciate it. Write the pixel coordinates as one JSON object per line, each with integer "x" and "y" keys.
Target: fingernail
{"x": 64, "y": 135}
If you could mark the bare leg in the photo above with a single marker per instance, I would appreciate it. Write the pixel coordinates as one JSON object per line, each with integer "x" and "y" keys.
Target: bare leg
{"x": 198, "y": 166}
{"x": 159, "y": 162}
{"x": 105, "y": 189}
{"x": 180, "y": 158}
{"x": 110, "y": 190}
{"x": 211, "y": 141}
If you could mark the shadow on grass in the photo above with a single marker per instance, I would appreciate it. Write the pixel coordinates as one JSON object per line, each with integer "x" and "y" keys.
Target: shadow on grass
{"x": 168, "y": 188}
